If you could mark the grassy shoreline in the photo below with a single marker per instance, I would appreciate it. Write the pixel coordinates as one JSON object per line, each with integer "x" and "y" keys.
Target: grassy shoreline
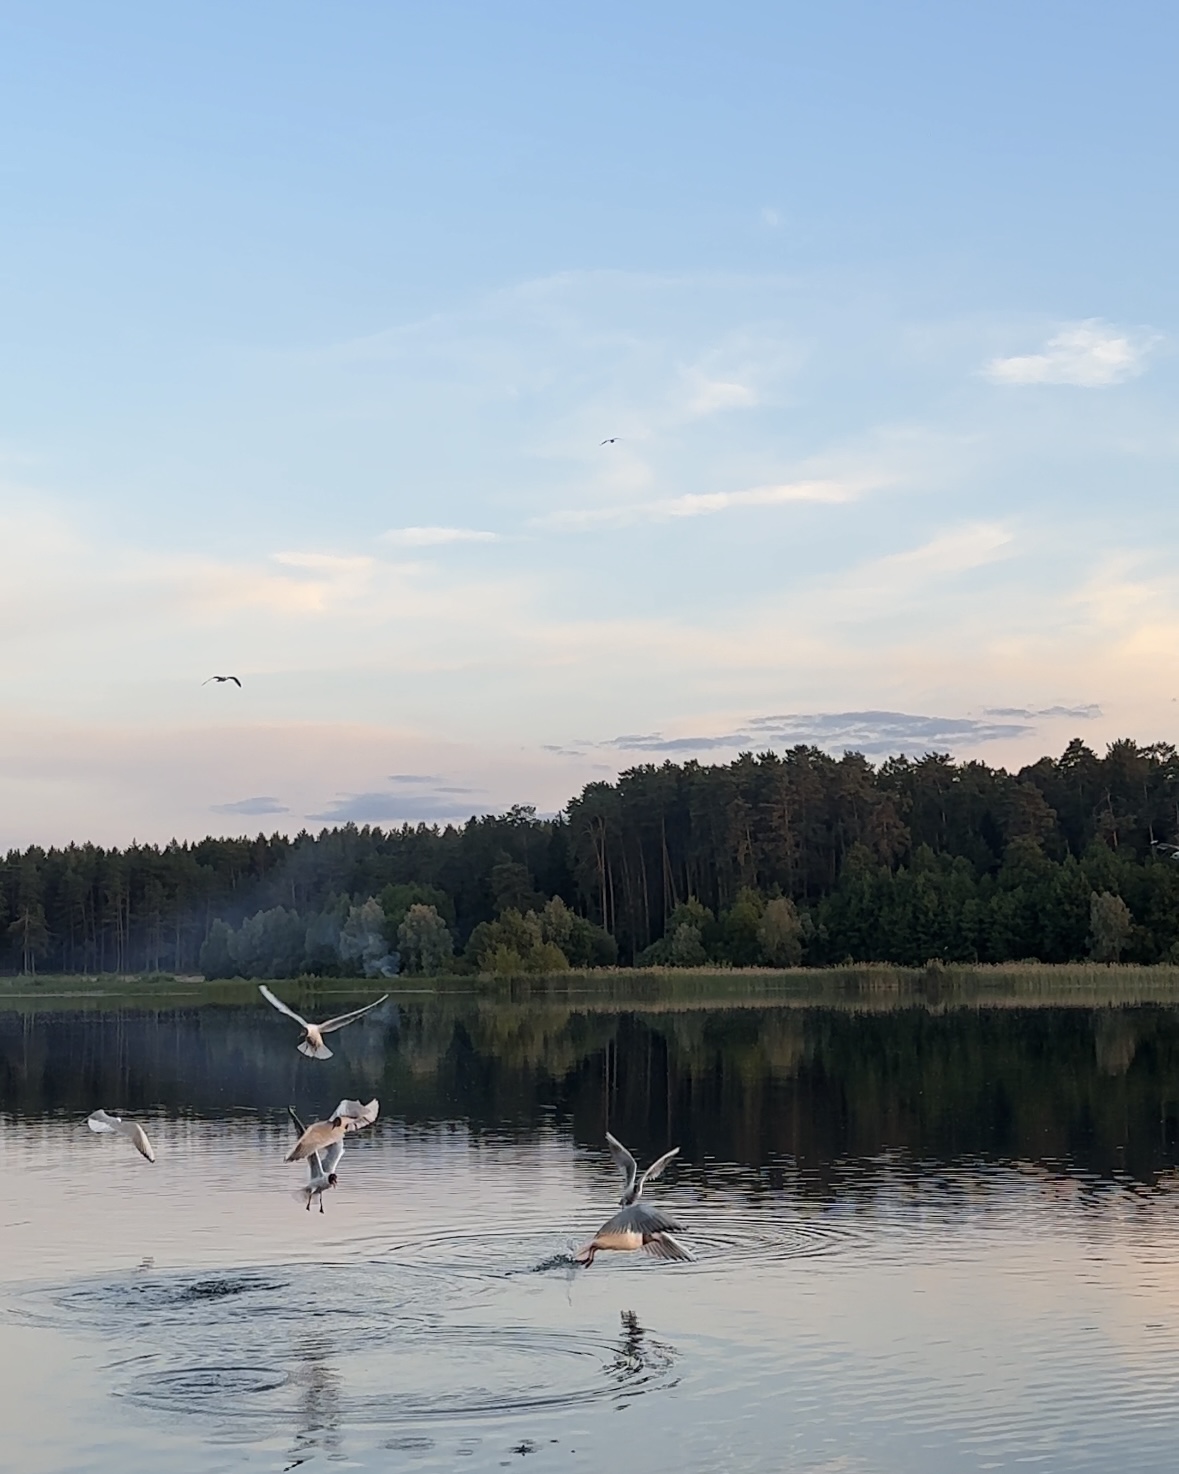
{"x": 870, "y": 986}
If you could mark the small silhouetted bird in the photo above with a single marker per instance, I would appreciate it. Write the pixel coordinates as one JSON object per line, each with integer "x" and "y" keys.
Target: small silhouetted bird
{"x": 609, "y": 441}
{"x": 234, "y": 679}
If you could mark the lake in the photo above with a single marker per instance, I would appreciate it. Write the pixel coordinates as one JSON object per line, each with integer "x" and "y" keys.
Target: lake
{"x": 930, "y": 1234}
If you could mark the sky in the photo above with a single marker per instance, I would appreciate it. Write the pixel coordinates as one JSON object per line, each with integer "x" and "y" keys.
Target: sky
{"x": 313, "y": 320}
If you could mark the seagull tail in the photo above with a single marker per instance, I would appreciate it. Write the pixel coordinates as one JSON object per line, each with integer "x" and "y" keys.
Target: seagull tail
{"x": 313, "y": 1051}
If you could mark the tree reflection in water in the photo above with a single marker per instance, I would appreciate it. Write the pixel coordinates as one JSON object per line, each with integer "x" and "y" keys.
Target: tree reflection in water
{"x": 759, "y": 1085}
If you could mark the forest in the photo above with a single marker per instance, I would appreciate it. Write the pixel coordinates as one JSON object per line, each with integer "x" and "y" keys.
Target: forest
{"x": 771, "y": 860}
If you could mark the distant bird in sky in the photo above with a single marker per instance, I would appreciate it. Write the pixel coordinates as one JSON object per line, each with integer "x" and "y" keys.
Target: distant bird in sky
{"x": 636, "y": 1226}
{"x": 610, "y": 440}
{"x": 321, "y": 1167}
{"x": 132, "y": 1130}
{"x": 312, "y": 1043}
{"x": 234, "y": 679}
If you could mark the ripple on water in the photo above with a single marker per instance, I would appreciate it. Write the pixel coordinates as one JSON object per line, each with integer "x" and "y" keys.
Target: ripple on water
{"x": 718, "y": 1239}
{"x": 423, "y": 1374}
{"x": 155, "y": 1301}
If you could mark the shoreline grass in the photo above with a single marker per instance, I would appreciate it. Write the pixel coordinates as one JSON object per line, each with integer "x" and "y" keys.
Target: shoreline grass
{"x": 871, "y": 985}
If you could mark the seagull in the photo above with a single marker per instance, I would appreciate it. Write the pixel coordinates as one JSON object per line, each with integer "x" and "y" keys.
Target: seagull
{"x": 1170, "y": 851}
{"x": 312, "y": 1043}
{"x": 636, "y": 1226}
{"x": 322, "y": 1168}
{"x": 348, "y": 1116}
{"x": 610, "y": 440}
{"x": 132, "y": 1130}
{"x": 234, "y": 679}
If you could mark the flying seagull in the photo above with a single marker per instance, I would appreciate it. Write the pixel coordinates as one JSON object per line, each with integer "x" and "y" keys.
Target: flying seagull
{"x": 610, "y": 440}
{"x": 348, "y": 1116}
{"x": 636, "y": 1226}
{"x": 234, "y": 679}
{"x": 312, "y": 1043}
{"x": 132, "y": 1130}
{"x": 322, "y": 1168}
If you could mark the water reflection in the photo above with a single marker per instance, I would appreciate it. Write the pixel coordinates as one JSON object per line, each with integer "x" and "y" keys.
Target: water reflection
{"x": 925, "y": 1239}
{"x": 757, "y": 1086}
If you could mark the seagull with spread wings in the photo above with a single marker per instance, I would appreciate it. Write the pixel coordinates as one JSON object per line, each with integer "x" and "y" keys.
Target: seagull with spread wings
{"x": 132, "y": 1130}
{"x": 610, "y": 440}
{"x": 234, "y": 679}
{"x": 636, "y": 1225}
{"x": 312, "y": 1043}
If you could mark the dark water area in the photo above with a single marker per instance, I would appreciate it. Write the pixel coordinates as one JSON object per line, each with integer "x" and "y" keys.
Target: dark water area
{"x": 1094, "y": 1087}
{"x": 926, "y": 1236}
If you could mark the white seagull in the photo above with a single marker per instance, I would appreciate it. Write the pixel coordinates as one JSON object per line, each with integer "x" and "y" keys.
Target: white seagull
{"x": 322, "y": 1167}
{"x": 132, "y": 1130}
{"x": 312, "y": 1043}
{"x": 636, "y": 1226}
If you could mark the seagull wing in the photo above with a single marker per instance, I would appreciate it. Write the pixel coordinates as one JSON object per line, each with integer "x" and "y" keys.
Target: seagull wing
{"x": 663, "y": 1246}
{"x": 332, "y": 1156}
{"x": 626, "y": 1163}
{"x": 100, "y": 1121}
{"x": 235, "y": 681}
{"x": 656, "y": 1168}
{"x": 356, "y": 1116}
{"x": 280, "y": 1005}
{"x": 640, "y": 1218}
{"x": 330, "y": 1025}
{"x": 299, "y": 1127}
{"x": 318, "y": 1135}
{"x": 138, "y": 1138}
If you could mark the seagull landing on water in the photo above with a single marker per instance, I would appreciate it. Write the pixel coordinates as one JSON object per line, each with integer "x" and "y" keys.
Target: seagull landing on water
{"x": 636, "y": 1226}
{"x": 234, "y": 679}
{"x": 312, "y": 1043}
{"x": 132, "y": 1130}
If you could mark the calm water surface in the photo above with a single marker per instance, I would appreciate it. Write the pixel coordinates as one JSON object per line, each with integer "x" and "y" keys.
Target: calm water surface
{"x": 928, "y": 1239}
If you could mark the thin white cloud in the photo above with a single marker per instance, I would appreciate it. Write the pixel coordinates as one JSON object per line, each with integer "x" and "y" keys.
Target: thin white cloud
{"x": 711, "y": 395}
{"x": 430, "y": 537}
{"x": 954, "y": 551}
{"x": 332, "y": 564}
{"x": 1089, "y": 354}
{"x": 703, "y": 504}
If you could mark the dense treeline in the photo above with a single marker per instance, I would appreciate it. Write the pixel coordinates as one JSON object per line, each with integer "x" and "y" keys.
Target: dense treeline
{"x": 771, "y": 859}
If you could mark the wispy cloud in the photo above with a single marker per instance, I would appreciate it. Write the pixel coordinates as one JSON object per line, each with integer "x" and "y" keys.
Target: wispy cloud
{"x": 414, "y": 798}
{"x": 955, "y": 551}
{"x": 396, "y": 808}
{"x": 703, "y": 504}
{"x": 875, "y": 733}
{"x": 432, "y": 537}
{"x": 710, "y": 395}
{"x": 261, "y": 805}
{"x": 1089, "y": 354}
{"x": 1087, "y": 713}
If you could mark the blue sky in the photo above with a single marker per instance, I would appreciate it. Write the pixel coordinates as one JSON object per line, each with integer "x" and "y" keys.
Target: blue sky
{"x": 312, "y": 320}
